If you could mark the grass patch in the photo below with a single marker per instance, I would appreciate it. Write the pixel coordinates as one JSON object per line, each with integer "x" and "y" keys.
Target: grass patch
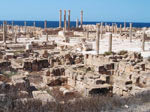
{"x": 18, "y": 52}
{"x": 108, "y": 53}
{"x": 9, "y": 74}
{"x": 123, "y": 52}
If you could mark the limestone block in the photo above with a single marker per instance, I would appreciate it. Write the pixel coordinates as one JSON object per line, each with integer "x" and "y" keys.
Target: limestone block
{"x": 43, "y": 96}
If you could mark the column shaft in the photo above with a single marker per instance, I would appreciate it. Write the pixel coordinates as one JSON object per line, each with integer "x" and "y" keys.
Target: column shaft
{"x": 60, "y": 18}
{"x": 65, "y": 24}
{"x": 69, "y": 19}
{"x": 97, "y": 38}
{"x": 110, "y": 42}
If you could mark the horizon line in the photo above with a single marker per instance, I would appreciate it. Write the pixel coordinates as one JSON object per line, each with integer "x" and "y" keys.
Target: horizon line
{"x": 75, "y": 21}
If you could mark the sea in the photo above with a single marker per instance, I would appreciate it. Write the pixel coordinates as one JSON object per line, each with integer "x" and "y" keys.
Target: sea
{"x": 55, "y": 24}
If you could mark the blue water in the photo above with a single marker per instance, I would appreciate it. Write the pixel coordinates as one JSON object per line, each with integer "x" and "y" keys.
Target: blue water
{"x": 54, "y": 24}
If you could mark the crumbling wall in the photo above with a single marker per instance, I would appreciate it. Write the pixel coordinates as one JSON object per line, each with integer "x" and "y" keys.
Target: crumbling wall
{"x": 130, "y": 76}
{"x": 96, "y": 60}
{"x": 35, "y": 65}
{"x": 4, "y": 64}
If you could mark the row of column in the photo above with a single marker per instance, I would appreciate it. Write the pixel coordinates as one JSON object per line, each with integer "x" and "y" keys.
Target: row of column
{"x": 114, "y": 28}
{"x": 65, "y": 22}
{"x": 99, "y": 32}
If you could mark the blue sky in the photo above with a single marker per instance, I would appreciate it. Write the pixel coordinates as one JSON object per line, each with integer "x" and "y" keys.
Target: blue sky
{"x": 94, "y": 10}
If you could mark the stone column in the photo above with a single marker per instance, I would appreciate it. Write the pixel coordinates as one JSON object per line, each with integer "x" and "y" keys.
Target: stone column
{"x": 101, "y": 30}
{"x": 25, "y": 26}
{"x": 120, "y": 28}
{"x": 60, "y": 18}
{"x": 12, "y": 27}
{"x": 143, "y": 41}
{"x": 87, "y": 34}
{"x": 97, "y": 38}
{"x": 112, "y": 27}
{"x": 65, "y": 24}
{"x": 77, "y": 23}
{"x": 46, "y": 37}
{"x": 110, "y": 42}
{"x": 81, "y": 18}
{"x": 124, "y": 26}
{"x": 108, "y": 28}
{"x": 116, "y": 29}
{"x": 13, "y": 32}
{"x": 130, "y": 32}
{"x": 68, "y": 19}
{"x": 2, "y": 27}
{"x": 4, "y": 31}
{"x": 15, "y": 38}
{"x": 34, "y": 24}
{"x": 45, "y": 24}
{"x": 19, "y": 29}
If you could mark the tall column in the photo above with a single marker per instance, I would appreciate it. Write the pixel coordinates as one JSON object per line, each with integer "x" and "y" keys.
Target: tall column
{"x": 46, "y": 37}
{"x": 112, "y": 27}
{"x": 101, "y": 30}
{"x": 130, "y": 32}
{"x": 2, "y": 27}
{"x": 19, "y": 29}
{"x": 108, "y": 28}
{"x": 4, "y": 31}
{"x": 34, "y": 24}
{"x": 15, "y": 37}
{"x": 45, "y": 24}
{"x": 110, "y": 42}
{"x": 143, "y": 41}
{"x": 77, "y": 23}
{"x": 13, "y": 32}
{"x": 69, "y": 19}
{"x": 12, "y": 27}
{"x": 116, "y": 29}
{"x": 65, "y": 24}
{"x": 25, "y": 28}
{"x": 25, "y": 25}
{"x": 81, "y": 18}
{"x": 124, "y": 26}
{"x": 60, "y": 18}
{"x": 87, "y": 34}
{"x": 97, "y": 38}
{"x": 120, "y": 28}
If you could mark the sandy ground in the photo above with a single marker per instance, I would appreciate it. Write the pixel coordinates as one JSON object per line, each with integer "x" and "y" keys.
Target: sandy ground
{"x": 118, "y": 44}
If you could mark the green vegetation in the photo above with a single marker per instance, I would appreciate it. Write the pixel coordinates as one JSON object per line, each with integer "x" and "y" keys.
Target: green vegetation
{"x": 8, "y": 74}
{"x": 18, "y": 52}
{"x": 123, "y": 52}
{"x": 108, "y": 53}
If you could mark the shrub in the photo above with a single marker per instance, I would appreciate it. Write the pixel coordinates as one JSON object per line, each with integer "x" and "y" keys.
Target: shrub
{"x": 108, "y": 53}
{"x": 123, "y": 52}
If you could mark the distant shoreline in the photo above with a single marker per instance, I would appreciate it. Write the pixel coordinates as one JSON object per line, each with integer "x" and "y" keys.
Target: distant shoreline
{"x": 55, "y": 24}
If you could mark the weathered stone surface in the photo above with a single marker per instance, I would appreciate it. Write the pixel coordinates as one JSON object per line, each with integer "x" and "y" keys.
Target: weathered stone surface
{"x": 4, "y": 64}
{"x": 35, "y": 65}
{"x": 22, "y": 84}
{"x": 43, "y": 96}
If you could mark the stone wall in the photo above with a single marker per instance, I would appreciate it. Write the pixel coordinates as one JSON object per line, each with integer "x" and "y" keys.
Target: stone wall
{"x": 96, "y": 60}
{"x": 4, "y": 64}
{"x": 35, "y": 65}
{"x": 87, "y": 81}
